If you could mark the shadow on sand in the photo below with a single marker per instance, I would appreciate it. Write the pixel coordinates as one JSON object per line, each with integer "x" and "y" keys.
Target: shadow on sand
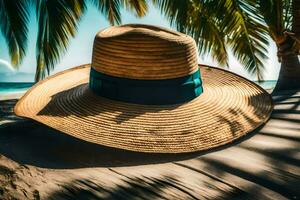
{"x": 275, "y": 176}
{"x": 164, "y": 187}
{"x": 29, "y": 142}
{"x": 32, "y": 143}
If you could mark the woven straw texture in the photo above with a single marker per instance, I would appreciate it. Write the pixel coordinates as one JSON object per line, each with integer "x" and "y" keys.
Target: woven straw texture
{"x": 229, "y": 108}
{"x": 144, "y": 52}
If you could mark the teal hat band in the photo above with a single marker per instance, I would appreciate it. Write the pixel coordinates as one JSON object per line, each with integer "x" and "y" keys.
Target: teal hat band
{"x": 149, "y": 92}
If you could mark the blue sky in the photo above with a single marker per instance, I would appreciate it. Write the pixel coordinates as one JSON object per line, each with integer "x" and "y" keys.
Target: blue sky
{"x": 80, "y": 48}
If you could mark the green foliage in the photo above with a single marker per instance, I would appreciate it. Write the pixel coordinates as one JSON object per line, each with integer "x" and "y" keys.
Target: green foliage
{"x": 14, "y": 18}
{"x": 111, "y": 8}
{"x": 242, "y": 26}
{"x": 140, "y": 7}
{"x": 217, "y": 25}
{"x": 277, "y": 15}
{"x": 57, "y": 23}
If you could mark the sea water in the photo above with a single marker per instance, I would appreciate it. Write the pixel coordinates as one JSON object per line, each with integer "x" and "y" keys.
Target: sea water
{"x": 8, "y": 87}
{"x": 270, "y": 84}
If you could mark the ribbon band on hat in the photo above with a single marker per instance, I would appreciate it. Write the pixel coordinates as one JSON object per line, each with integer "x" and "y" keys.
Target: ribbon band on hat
{"x": 150, "y": 92}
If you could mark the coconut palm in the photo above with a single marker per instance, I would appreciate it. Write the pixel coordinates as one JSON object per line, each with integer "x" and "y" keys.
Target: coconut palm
{"x": 14, "y": 16}
{"x": 244, "y": 27}
{"x": 283, "y": 21}
{"x": 57, "y": 23}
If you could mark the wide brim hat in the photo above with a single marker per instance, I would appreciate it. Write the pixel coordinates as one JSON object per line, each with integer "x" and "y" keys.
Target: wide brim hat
{"x": 226, "y": 108}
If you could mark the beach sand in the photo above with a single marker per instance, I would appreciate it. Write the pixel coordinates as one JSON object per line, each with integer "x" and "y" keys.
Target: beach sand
{"x": 37, "y": 162}
{"x": 10, "y": 95}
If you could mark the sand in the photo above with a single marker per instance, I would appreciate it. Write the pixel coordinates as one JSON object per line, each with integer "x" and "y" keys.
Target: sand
{"x": 37, "y": 162}
{"x": 10, "y": 95}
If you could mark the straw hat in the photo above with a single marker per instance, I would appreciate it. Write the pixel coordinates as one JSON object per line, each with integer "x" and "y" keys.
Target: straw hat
{"x": 143, "y": 92}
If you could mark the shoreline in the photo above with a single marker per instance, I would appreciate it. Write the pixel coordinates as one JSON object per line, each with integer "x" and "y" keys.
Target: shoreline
{"x": 11, "y": 95}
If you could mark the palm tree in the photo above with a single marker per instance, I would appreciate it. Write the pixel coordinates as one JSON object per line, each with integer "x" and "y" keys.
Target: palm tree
{"x": 57, "y": 24}
{"x": 14, "y": 16}
{"x": 244, "y": 27}
{"x": 283, "y": 21}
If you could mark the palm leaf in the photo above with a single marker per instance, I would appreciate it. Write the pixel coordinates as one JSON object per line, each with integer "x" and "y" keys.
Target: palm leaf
{"x": 14, "y": 20}
{"x": 194, "y": 18}
{"x": 215, "y": 24}
{"x": 288, "y": 17}
{"x": 176, "y": 11}
{"x": 247, "y": 34}
{"x": 110, "y": 9}
{"x": 273, "y": 13}
{"x": 57, "y": 23}
{"x": 205, "y": 29}
{"x": 140, "y": 7}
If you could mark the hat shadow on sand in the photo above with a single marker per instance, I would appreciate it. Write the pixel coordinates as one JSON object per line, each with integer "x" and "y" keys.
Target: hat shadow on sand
{"x": 29, "y": 142}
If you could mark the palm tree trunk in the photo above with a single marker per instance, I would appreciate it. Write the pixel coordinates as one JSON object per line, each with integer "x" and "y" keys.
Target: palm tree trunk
{"x": 289, "y": 75}
{"x": 296, "y": 16}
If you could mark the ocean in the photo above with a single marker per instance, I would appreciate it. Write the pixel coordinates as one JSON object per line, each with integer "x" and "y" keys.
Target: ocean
{"x": 270, "y": 84}
{"x": 13, "y": 87}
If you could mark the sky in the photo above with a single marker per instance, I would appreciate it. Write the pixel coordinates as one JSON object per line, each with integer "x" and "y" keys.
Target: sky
{"x": 80, "y": 47}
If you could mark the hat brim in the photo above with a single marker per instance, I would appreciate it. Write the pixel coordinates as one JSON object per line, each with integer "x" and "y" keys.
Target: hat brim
{"x": 229, "y": 108}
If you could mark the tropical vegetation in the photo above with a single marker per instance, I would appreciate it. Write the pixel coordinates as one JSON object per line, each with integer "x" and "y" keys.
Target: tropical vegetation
{"x": 218, "y": 26}
{"x": 57, "y": 23}
{"x": 244, "y": 27}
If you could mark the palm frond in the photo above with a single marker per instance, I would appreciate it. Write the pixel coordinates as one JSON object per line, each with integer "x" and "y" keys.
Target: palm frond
{"x": 176, "y": 11}
{"x": 57, "y": 23}
{"x": 204, "y": 28}
{"x": 247, "y": 34}
{"x": 194, "y": 18}
{"x": 14, "y": 20}
{"x": 215, "y": 24}
{"x": 110, "y": 9}
{"x": 273, "y": 13}
{"x": 140, "y": 7}
{"x": 288, "y": 13}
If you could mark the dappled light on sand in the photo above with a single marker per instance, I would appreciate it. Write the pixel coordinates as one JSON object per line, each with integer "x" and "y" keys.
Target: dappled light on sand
{"x": 265, "y": 166}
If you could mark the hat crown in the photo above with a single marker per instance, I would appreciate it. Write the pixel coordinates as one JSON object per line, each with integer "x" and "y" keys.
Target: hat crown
{"x": 144, "y": 52}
